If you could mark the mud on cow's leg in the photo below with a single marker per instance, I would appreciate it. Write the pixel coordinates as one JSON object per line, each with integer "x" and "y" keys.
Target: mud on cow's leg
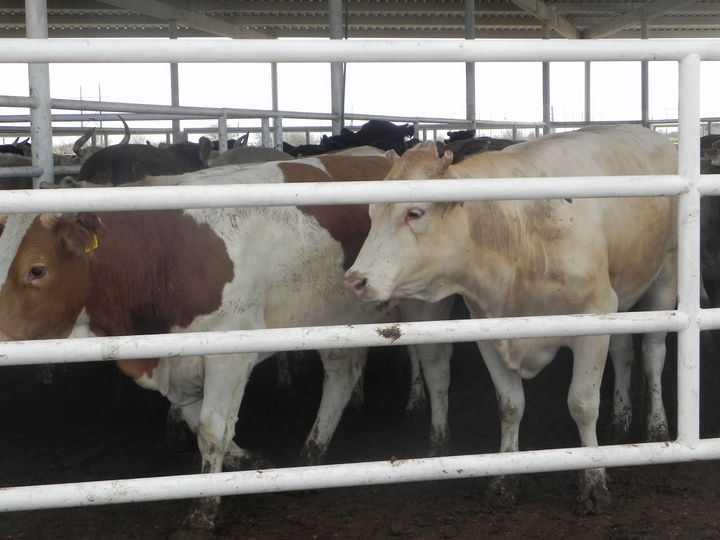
{"x": 430, "y": 368}
{"x": 593, "y": 494}
{"x": 654, "y": 349}
{"x": 622, "y": 356}
{"x": 503, "y": 490}
{"x": 589, "y": 354}
{"x": 343, "y": 368}
{"x": 435, "y": 362}
{"x": 177, "y": 429}
{"x": 417, "y": 399}
{"x": 225, "y": 379}
{"x": 662, "y": 295}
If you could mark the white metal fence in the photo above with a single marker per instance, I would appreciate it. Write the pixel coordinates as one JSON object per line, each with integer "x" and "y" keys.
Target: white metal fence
{"x": 688, "y": 320}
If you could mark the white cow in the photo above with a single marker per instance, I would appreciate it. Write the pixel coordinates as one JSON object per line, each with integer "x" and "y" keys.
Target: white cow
{"x": 541, "y": 257}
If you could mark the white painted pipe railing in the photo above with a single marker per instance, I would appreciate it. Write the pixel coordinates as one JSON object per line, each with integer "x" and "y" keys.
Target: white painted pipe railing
{"x": 324, "y": 51}
{"x": 323, "y": 337}
{"x": 688, "y": 320}
{"x": 327, "y": 193}
{"x": 350, "y": 474}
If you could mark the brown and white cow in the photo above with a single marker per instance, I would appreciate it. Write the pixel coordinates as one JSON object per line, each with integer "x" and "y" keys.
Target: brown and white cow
{"x": 540, "y": 257}
{"x": 123, "y": 273}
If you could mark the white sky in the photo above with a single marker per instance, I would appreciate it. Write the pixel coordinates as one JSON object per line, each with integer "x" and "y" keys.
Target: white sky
{"x": 504, "y": 91}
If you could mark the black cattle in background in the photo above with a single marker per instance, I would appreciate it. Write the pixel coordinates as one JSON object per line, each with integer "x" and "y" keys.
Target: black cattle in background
{"x": 17, "y": 147}
{"x": 464, "y": 144}
{"x": 122, "y": 164}
{"x": 378, "y": 133}
{"x": 710, "y": 223}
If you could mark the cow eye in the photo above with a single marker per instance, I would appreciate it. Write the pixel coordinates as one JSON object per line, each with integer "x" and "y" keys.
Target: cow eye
{"x": 37, "y": 272}
{"x": 414, "y": 213}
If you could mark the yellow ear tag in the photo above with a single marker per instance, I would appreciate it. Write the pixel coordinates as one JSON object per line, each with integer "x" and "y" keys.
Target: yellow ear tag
{"x": 94, "y": 244}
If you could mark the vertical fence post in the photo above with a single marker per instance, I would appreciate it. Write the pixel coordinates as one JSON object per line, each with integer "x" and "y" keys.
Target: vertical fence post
{"x": 689, "y": 251}
{"x": 265, "y": 123}
{"x": 39, "y": 79}
{"x": 222, "y": 134}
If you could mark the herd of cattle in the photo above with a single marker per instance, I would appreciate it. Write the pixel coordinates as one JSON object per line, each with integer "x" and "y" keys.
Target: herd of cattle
{"x": 123, "y": 273}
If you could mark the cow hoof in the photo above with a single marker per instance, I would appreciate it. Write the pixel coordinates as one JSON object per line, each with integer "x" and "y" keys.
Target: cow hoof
{"x": 594, "y": 497}
{"x": 597, "y": 503}
{"x": 311, "y": 454}
{"x": 416, "y": 404}
{"x": 503, "y": 492}
{"x": 658, "y": 432}
{"x": 198, "y": 521}
{"x": 440, "y": 446}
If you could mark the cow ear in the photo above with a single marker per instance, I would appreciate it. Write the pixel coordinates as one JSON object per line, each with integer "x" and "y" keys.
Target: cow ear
{"x": 77, "y": 236}
{"x": 431, "y": 148}
{"x": 391, "y": 155}
{"x": 447, "y": 159}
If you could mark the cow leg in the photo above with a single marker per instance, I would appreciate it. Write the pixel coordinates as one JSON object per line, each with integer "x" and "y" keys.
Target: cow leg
{"x": 662, "y": 295}
{"x": 225, "y": 379}
{"x": 654, "y": 349}
{"x": 235, "y": 458}
{"x": 622, "y": 356}
{"x": 284, "y": 376}
{"x": 343, "y": 368}
{"x": 177, "y": 437}
{"x": 510, "y": 395}
{"x": 416, "y": 398}
{"x": 416, "y": 310}
{"x": 435, "y": 362}
{"x": 589, "y": 355}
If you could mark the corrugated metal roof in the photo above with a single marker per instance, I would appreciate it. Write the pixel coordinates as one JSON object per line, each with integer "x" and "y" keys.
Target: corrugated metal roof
{"x": 368, "y": 18}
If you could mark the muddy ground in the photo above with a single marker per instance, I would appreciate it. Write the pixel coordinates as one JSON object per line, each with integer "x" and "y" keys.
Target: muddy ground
{"x": 78, "y": 429}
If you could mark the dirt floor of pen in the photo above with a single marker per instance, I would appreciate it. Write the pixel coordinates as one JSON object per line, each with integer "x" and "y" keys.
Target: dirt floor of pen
{"x": 89, "y": 424}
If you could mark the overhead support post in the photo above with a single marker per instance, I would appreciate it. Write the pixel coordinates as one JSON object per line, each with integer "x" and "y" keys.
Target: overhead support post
{"x": 337, "y": 69}
{"x": 644, "y": 82}
{"x": 39, "y": 82}
{"x": 277, "y": 121}
{"x": 588, "y": 86}
{"x": 546, "y": 85}
{"x": 222, "y": 133}
{"x": 470, "y": 112}
{"x": 174, "y": 84}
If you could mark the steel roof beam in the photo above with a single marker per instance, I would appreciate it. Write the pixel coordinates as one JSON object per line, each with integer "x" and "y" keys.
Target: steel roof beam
{"x": 634, "y": 17}
{"x": 167, "y": 12}
{"x": 545, "y": 14}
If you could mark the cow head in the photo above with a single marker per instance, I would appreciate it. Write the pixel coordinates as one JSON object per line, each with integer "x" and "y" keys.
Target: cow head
{"x": 406, "y": 252}
{"x": 419, "y": 163}
{"x": 45, "y": 261}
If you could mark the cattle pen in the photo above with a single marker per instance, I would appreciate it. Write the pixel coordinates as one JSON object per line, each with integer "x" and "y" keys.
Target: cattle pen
{"x": 688, "y": 320}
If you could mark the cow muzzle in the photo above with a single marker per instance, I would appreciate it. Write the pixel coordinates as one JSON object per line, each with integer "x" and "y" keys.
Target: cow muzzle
{"x": 356, "y": 286}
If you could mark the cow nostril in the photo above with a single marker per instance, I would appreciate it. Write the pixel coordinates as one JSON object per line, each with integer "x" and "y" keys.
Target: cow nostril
{"x": 360, "y": 284}
{"x": 355, "y": 285}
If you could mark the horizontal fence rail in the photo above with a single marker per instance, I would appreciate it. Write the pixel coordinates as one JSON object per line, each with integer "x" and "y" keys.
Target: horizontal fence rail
{"x": 351, "y": 474}
{"x": 323, "y": 337}
{"x": 688, "y": 320}
{"x": 290, "y": 51}
{"x": 328, "y": 193}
